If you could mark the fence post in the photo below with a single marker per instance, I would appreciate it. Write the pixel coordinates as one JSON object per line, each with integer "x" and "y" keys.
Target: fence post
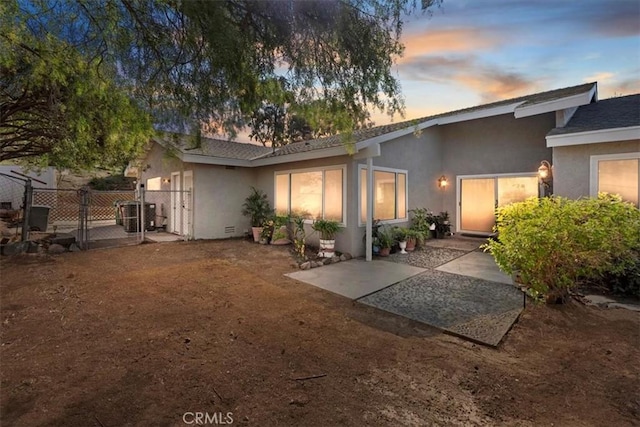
{"x": 83, "y": 219}
{"x": 27, "y": 202}
{"x": 142, "y": 213}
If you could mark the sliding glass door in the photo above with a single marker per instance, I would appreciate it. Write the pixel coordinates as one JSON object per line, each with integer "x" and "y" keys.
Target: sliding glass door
{"x": 479, "y": 197}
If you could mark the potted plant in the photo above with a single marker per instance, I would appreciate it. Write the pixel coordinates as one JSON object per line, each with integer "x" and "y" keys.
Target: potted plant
{"x": 386, "y": 241}
{"x": 400, "y": 234}
{"x": 256, "y": 206}
{"x": 414, "y": 238}
{"x": 442, "y": 225}
{"x": 328, "y": 229}
{"x": 280, "y": 234}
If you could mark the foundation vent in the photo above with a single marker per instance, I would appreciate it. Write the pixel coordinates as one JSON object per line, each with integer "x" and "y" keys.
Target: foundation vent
{"x": 230, "y": 229}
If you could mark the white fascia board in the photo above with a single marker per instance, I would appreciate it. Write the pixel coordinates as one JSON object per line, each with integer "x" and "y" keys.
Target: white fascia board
{"x": 211, "y": 160}
{"x": 479, "y": 114}
{"x": 594, "y": 137}
{"x": 298, "y": 157}
{"x": 558, "y": 104}
{"x": 395, "y": 134}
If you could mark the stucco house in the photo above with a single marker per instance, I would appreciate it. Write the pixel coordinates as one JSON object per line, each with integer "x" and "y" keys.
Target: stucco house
{"x": 489, "y": 155}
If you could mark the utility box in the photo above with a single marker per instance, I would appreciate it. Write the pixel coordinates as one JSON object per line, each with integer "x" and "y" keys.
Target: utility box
{"x": 39, "y": 218}
{"x": 131, "y": 216}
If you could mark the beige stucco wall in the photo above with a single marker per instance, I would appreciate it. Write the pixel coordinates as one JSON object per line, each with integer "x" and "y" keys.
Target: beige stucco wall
{"x": 219, "y": 194}
{"x": 493, "y": 145}
{"x": 217, "y": 197}
{"x": 571, "y": 165}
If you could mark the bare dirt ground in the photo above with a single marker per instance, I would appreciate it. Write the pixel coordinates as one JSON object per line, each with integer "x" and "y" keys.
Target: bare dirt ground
{"x": 142, "y": 335}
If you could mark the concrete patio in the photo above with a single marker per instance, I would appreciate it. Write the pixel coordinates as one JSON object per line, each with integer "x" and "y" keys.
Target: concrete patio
{"x": 448, "y": 284}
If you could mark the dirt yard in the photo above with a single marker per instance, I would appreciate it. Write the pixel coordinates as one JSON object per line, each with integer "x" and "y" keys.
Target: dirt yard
{"x": 153, "y": 334}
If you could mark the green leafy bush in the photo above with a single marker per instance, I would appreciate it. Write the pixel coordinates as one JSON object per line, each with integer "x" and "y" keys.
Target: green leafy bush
{"x": 553, "y": 244}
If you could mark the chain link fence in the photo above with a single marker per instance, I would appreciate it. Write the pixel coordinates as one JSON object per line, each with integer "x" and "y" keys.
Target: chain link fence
{"x": 12, "y": 194}
{"x": 89, "y": 218}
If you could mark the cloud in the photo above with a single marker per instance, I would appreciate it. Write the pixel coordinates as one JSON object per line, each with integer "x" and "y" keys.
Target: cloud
{"x": 599, "y": 77}
{"x": 448, "y": 40}
{"x": 490, "y": 82}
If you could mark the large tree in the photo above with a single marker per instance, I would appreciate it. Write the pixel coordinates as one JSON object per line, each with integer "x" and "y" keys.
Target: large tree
{"x": 211, "y": 64}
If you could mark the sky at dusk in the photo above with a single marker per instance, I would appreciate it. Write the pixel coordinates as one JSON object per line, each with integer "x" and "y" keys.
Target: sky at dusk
{"x": 474, "y": 52}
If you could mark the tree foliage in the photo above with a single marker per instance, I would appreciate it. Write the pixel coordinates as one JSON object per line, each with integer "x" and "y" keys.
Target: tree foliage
{"x": 555, "y": 243}
{"x": 208, "y": 65}
{"x": 56, "y": 107}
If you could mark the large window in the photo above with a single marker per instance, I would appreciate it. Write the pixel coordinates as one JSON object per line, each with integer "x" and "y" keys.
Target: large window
{"x": 318, "y": 192}
{"x": 389, "y": 194}
{"x": 617, "y": 174}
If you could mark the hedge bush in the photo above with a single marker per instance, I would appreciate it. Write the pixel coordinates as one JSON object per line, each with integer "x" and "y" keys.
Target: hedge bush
{"x": 554, "y": 244}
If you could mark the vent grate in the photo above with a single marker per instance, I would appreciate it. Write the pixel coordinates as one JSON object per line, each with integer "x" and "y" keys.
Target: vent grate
{"x": 229, "y": 229}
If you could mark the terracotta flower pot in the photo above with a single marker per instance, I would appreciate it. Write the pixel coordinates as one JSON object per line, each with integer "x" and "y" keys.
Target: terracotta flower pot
{"x": 384, "y": 251}
{"x": 411, "y": 245}
{"x": 256, "y": 233}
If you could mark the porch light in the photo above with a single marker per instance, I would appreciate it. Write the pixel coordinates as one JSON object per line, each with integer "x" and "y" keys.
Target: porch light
{"x": 166, "y": 180}
{"x": 442, "y": 181}
{"x": 545, "y": 171}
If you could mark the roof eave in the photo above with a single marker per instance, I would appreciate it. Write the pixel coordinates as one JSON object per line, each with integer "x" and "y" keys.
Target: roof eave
{"x": 480, "y": 113}
{"x": 395, "y": 134}
{"x": 213, "y": 160}
{"x": 340, "y": 150}
{"x": 557, "y": 104}
{"x": 594, "y": 137}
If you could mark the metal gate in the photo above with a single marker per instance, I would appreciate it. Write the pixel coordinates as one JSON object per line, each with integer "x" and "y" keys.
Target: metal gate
{"x": 99, "y": 219}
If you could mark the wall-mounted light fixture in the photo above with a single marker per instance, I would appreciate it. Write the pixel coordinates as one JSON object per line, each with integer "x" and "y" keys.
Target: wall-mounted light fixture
{"x": 442, "y": 182}
{"x": 545, "y": 177}
{"x": 166, "y": 180}
{"x": 545, "y": 171}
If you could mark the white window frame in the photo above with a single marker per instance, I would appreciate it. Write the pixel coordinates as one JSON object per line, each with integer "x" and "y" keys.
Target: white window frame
{"x": 322, "y": 169}
{"x": 593, "y": 168}
{"x": 406, "y": 194}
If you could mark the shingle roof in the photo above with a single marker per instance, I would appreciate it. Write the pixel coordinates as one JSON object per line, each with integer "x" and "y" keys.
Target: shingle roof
{"x": 218, "y": 148}
{"x": 363, "y": 134}
{"x": 244, "y": 151}
{"x": 610, "y": 113}
{"x": 337, "y": 140}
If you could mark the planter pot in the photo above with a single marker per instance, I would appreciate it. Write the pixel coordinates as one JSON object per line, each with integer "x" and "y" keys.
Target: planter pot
{"x": 327, "y": 248}
{"x": 403, "y": 246}
{"x": 384, "y": 251}
{"x": 411, "y": 245}
{"x": 439, "y": 234}
{"x": 256, "y": 233}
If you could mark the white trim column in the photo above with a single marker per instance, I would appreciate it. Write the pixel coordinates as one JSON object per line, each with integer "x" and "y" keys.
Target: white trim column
{"x": 369, "y": 153}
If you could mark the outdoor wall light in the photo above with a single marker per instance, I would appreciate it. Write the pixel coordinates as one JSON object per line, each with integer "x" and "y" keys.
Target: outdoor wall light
{"x": 545, "y": 171}
{"x": 545, "y": 176}
{"x": 442, "y": 181}
{"x": 166, "y": 180}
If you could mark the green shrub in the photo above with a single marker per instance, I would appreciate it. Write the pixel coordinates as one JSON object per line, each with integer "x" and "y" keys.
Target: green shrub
{"x": 554, "y": 243}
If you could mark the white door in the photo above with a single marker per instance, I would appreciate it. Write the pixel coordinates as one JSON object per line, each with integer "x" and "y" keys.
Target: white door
{"x": 187, "y": 202}
{"x": 175, "y": 222}
{"x": 479, "y": 196}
